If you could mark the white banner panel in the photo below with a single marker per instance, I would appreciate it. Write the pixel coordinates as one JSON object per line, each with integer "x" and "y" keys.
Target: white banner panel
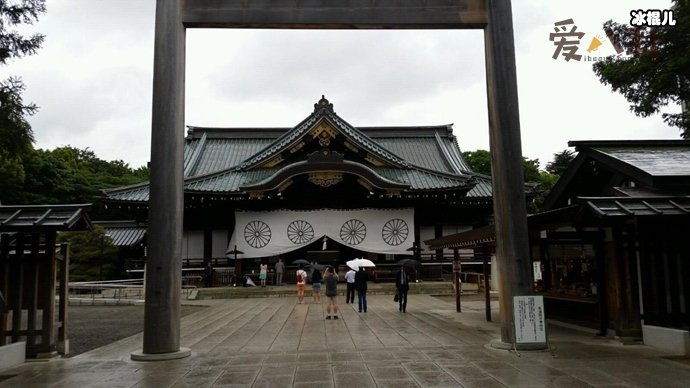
{"x": 262, "y": 234}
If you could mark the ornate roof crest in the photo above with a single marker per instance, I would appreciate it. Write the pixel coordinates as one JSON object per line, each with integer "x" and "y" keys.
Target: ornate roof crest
{"x": 323, "y": 104}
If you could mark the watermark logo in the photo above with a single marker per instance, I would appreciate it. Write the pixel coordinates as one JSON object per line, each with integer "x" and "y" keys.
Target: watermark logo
{"x": 568, "y": 43}
{"x": 642, "y": 36}
{"x": 652, "y": 18}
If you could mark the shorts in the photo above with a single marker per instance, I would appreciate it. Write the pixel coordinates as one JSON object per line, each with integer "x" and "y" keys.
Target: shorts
{"x": 300, "y": 287}
{"x": 333, "y": 297}
{"x": 262, "y": 276}
{"x": 316, "y": 287}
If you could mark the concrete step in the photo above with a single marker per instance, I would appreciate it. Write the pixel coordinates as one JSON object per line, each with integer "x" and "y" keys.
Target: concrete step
{"x": 429, "y": 288}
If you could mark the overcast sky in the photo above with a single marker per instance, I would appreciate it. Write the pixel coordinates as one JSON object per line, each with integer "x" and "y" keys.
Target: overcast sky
{"x": 92, "y": 79}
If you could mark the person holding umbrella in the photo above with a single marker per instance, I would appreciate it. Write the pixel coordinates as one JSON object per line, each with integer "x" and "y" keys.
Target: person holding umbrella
{"x": 361, "y": 278}
{"x": 316, "y": 279}
{"x": 331, "y": 281}
{"x": 402, "y": 285}
{"x": 301, "y": 283}
{"x": 350, "y": 280}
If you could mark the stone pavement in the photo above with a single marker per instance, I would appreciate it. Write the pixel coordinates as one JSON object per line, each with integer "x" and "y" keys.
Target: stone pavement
{"x": 274, "y": 342}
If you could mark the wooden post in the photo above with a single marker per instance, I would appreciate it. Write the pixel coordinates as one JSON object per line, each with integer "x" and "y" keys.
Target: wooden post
{"x": 48, "y": 327}
{"x": 19, "y": 288}
{"x": 5, "y": 273}
{"x": 456, "y": 272}
{"x": 510, "y": 214}
{"x": 33, "y": 268}
{"x": 63, "y": 341}
{"x": 487, "y": 285}
{"x": 166, "y": 199}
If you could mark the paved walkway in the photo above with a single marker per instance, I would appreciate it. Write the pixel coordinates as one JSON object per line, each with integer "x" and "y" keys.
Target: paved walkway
{"x": 274, "y": 342}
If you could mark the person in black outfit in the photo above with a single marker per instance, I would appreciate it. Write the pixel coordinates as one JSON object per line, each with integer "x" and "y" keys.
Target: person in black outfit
{"x": 208, "y": 275}
{"x": 361, "y": 279}
{"x": 402, "y": 284}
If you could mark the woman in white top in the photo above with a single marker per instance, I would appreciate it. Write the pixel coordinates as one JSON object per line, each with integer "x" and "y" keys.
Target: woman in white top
{"x": 263, "y": 273}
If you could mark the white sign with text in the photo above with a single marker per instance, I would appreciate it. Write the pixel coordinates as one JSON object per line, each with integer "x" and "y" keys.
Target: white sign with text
{"x": 529, "y": 319}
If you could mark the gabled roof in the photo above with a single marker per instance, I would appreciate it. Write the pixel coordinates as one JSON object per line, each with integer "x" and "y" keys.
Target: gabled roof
{"x": 226, "y": 160}
{"x": 323, "y": 110}
{"x": 44, "y": 217}
{"x": 124, "y": 233}
{"x": 655, "y": 165}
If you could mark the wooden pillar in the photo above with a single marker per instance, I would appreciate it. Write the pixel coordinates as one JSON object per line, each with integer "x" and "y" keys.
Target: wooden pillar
{"x": 602, "y": 287}
{"x": 486, "y": 254}
{"x": 19, "y": 288}
{"x": 5, "y": 273}
{"x": 63, "y": 341}
{"x": 417, "y": 237}
{"x": 456, "y": 274}
{"x": 438, "y": 232}
{"x": 32, "y": 269}
{"x": 166, "y": 201}
{"x": 48, "y": 343}
{"x": 512, "y": 251}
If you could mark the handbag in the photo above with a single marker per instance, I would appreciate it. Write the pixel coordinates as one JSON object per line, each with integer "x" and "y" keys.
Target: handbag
{"x": 396, "y": 297}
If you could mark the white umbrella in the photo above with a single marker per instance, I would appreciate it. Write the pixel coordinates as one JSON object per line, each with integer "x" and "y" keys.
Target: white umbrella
{"x": 356, "y": 263}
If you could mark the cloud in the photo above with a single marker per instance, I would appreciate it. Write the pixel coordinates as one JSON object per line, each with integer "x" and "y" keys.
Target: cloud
{"x": 92, "y": 79}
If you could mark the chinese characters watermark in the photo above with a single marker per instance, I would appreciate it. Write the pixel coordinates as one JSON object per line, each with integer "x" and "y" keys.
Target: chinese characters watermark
{"x": 565, "y": 47}
{"x": 638, "y": 37}
{"x": 652, "y": 18}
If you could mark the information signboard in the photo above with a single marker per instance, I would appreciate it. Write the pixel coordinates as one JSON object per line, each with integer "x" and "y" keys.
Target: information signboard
{"x": 529, "y": 321}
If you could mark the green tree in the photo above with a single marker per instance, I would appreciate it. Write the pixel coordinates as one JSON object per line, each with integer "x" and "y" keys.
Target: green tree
{"x": 67, "y": 175}
{"x": 16, "y": 136}
{"x": 92, "y": 256}
{"x": 479, "y": 161}
{"x": 560, "y": 163}
{"x": 656, "y": 74}
{"x": 538, "y": 182}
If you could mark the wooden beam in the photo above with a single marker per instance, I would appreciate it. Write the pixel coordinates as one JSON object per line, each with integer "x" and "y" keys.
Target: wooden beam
{"x": 510, "y": 214}
{"x": 166, "y": 204}
{"x": 63, "y": 340}
{"x": 322, "y": 14}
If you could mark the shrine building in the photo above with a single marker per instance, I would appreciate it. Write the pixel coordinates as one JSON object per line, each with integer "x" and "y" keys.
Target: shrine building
{"x": 322, "y": 190}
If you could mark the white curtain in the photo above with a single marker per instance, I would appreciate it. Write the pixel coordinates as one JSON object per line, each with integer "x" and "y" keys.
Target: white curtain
{"x": 262, "y": 234}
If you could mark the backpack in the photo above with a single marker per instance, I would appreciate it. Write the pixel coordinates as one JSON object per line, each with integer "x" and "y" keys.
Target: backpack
{"x": 300, "y": 278}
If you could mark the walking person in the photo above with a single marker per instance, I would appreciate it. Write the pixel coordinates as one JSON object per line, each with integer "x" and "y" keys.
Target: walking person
{"x": 331, "y": 281}
{"x": 361, "y": 279}
{"x": 350, "y": 280}
{"x": 316, "y": 279}
{"x": 263, "y": 273}
{"x": 301, "y": 283}
{"x": 402, "y": 285}
{"x": 280, "y": 268}
{"x": 208, "y": 275}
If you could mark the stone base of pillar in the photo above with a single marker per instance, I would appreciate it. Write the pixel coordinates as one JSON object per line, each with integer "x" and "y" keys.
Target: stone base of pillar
{"x": 141, "y": 356}
{"x": 500, "y": 345}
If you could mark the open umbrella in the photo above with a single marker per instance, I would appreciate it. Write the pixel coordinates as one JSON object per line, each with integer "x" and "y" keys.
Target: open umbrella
{"x": 301, "y": 261}
{"x": 318, "y": 266}
{"x": 409, "y": 263}
{"x": 356, "y": 263}
{"x": 238, "y": 263}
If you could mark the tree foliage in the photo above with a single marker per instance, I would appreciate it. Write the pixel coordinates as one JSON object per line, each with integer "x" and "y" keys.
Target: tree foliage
{"x": 540, "y": 181}
{"x": 92, "y": 256}
{"x": 68, "y": 175}
{"x": 560, "y": 163}
{"x": 657, "y": 73}
{"x": 12, "y": 14}
{"x": 16, "y": 136}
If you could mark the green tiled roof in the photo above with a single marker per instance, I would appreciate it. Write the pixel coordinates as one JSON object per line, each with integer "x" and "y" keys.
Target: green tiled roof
{"x": 222, "y": 160}
{"x": 671, "y": 161}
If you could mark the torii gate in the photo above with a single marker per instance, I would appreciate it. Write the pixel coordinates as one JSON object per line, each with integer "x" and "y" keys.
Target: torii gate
{"x": 166, "y": 200}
